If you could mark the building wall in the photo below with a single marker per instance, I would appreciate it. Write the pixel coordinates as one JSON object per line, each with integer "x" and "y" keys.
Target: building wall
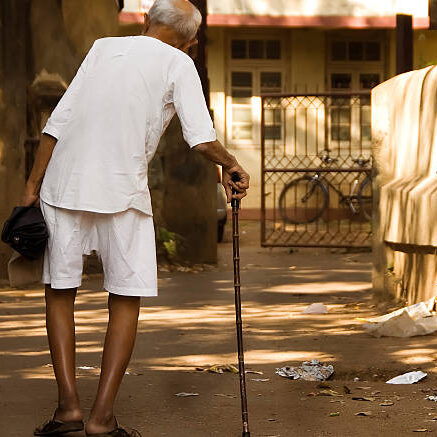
{"x": 307, "y": 71}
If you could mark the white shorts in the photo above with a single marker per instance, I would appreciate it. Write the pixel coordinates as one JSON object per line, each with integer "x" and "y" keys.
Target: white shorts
{"x": 125, "y": 242}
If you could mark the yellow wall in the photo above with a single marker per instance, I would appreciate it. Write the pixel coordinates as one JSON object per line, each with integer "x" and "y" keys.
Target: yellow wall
{"x": 307, "y": 60}
{"x": 425, "y": 50}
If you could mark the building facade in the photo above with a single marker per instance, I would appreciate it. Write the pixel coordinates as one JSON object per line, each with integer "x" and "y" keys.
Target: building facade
{"x": 302, "y": 47}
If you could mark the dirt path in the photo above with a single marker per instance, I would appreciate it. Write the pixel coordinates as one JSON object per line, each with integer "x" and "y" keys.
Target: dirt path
{"x": 192, "y": 324}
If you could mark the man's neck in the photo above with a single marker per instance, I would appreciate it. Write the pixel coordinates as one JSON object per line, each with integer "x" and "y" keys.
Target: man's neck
{"x": 163, "y": 35}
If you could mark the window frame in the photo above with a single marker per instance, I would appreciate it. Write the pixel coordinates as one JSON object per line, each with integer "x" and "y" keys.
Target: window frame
{"x": 355, "y": 69}
{"x": 256, "y": 67}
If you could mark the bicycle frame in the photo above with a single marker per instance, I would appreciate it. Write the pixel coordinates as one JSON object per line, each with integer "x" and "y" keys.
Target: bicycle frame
{"x": 346, "y": 199}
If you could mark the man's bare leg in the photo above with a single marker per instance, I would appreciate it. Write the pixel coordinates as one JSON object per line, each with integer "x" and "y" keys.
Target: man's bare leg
{"x": 119, "y": 343}
{"x": 62, "y": 342}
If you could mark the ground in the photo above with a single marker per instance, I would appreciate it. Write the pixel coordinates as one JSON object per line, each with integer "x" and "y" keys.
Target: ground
{"x": 192, "y": 324}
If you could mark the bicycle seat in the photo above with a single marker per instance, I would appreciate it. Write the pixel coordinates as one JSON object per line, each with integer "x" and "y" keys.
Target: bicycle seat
{"x": 361, "y": 161}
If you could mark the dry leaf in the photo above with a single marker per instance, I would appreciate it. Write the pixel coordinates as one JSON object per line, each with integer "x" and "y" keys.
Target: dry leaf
{"x": 334, "y": 414}
{"x": 328, "y": 393}
{"x": 420, "y": 430}
{"x": 364, "y": 413}
{"x": 386, "y": 404}
{"x": 363, "y": 398}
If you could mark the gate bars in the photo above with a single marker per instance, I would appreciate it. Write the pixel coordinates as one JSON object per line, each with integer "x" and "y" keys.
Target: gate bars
{"x": 324, "y": 136}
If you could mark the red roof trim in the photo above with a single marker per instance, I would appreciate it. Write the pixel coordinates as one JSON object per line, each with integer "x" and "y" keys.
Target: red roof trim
{"x": 131, "y": 17}
{"x": 318, "y": 21}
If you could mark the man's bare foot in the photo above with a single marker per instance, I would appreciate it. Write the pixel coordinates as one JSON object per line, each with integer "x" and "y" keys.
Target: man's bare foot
{"x": 100, "y": 425}
{"x": 68, "y": 415}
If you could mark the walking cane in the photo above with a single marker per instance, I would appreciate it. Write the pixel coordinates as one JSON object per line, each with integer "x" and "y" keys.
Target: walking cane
{"x": 236, "y": 240}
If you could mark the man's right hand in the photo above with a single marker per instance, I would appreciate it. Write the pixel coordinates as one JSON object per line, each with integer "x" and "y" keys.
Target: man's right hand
{"x": 241, "y": 186}
{"x": 215, "y": 152}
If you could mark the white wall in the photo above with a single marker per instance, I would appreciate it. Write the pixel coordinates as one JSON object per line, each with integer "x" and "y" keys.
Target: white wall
{"x": 356, "y": 8}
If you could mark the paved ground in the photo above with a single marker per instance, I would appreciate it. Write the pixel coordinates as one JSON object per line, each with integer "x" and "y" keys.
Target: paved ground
{"x": 192, "y": 324}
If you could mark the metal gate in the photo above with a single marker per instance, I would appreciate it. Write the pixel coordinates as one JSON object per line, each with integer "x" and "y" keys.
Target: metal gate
{"x": 316, "y": 170}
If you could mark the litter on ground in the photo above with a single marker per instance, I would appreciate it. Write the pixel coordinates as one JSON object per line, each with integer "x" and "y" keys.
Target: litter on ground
{"x": 316, "y": 308}
{"x": 408, "y": 378}
{"x": 309, "y": 371}
{"x": 418, "y": 319}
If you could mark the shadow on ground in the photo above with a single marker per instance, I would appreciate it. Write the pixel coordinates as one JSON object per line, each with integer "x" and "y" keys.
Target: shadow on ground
{"x": 192, "y": 324}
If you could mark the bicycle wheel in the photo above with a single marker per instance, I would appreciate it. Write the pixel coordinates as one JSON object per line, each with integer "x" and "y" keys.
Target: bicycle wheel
{"x": 365, "y": 198}
{"x": 303, "y": 200}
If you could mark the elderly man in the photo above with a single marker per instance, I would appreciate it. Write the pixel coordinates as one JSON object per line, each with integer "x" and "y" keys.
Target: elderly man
{"x": 90, "y": 175}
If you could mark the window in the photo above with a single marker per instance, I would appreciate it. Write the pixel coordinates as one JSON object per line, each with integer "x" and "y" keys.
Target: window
{"x": 271, "y": 82}
{"x": 255, "y": 49}
{"x": 355, "y": 63}
{"x": 256, "y": 66}
{"x": 242, "y": 92}
{"x": 343, "y": 51}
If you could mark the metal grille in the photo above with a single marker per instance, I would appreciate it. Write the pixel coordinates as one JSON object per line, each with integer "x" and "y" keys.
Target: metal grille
{"x": 316, "y": 170}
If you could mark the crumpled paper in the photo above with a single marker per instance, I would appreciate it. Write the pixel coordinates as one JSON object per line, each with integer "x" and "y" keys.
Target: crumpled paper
{"x": 408, "y": 378}
{"x": 309, "y": 371}
{"x": 418, "y": 319}
{"x": 316, "y": 308}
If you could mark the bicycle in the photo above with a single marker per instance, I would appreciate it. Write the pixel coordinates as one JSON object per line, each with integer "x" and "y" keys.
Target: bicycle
{"x": 304, "y": 200}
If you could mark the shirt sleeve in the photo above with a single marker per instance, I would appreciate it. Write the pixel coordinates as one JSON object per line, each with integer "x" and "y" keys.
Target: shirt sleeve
{"x": 61, "y": 114}
{"x": 191, "y": 108}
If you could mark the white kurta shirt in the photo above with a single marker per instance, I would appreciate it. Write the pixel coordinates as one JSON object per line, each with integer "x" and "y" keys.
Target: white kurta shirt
{"x": 110, "y": 120}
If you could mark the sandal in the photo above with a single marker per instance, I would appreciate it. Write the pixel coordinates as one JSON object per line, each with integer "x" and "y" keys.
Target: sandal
{"x": 55, "y": 427}
{"x": 117, "y": 432}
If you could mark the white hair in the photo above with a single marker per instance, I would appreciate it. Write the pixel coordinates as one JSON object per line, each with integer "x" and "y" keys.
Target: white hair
{"x": 165, "y": 12}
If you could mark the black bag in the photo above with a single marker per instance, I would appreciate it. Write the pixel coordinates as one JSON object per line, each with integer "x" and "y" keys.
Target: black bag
{"x": 26, "y": 231}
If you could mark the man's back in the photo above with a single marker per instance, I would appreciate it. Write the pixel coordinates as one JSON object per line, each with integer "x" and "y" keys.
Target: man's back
{"x": 109, "y": 123}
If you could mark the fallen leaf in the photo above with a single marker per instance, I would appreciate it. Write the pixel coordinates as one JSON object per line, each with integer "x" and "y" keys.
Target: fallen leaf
{"x": 334, "y": 414}
{"x": 222, "y": 395}
{"x": 347, "y": 390}
{"x": 219, "y": 368}
{"x": 323, "y": 384}
{"x": 328, "y": 393}
{"x": 420, "y": 430}
{"x": 364, "y": 413}
{"x": 186, "y": 395}
{"x": 253, "y": 372}
{"x": 386, "y": 404}
{"x": 374, "y": 393}
{"x": 363, "y": 398}
{"x": 260, "y": 379}
{"x": 364, "y": 388}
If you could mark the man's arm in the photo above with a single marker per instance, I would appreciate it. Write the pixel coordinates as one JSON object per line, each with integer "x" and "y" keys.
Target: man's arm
{"x": 216, "y": 153}
{"x": 42, "y": 159}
